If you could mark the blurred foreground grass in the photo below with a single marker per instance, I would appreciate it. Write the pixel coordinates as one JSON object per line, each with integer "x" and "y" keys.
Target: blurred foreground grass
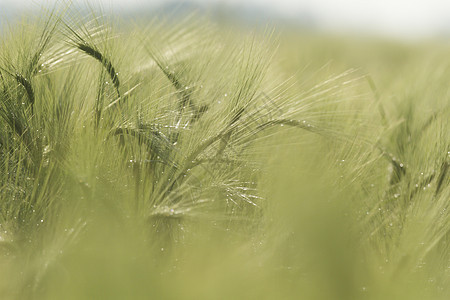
{"x": 179, "y": 160}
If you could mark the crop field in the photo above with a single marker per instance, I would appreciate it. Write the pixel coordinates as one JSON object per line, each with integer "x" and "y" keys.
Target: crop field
{"x": 189, "y": 159}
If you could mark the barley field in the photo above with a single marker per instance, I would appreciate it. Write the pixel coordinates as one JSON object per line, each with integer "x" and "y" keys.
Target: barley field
{"x": 187, "y": 159}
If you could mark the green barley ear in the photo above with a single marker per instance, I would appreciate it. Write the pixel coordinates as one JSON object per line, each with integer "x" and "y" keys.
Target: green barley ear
{"x": 28, "y": 88}
{"x": 184, "y": 92}
{"x": 86, "y": 36}
{"x": 443, "y": 176}
{"x": 93, "y": 52}
{"x": 24, "y": 83}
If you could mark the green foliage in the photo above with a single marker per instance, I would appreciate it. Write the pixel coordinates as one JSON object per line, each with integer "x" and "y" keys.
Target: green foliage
{"x": 210, "y": 171}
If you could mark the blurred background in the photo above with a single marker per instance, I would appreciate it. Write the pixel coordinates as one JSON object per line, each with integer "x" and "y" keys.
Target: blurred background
{"x": 399, "y": 19}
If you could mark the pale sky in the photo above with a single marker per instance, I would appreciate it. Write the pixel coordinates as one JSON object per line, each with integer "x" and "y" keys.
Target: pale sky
{"x": 386, "y": 17}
